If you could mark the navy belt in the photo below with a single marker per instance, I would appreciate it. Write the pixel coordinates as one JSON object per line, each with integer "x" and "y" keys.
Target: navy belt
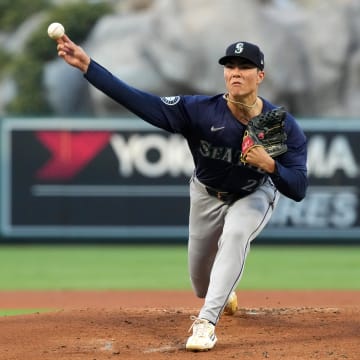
{"x": 226, "y": 197}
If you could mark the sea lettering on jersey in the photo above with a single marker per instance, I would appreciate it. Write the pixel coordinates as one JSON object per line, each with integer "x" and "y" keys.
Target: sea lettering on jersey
{"x": 216, "y": 152}
{"x": 227, "y": 154}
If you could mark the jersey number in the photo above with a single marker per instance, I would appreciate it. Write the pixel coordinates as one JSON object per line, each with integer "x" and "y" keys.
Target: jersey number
{"x": 251, "y": 185}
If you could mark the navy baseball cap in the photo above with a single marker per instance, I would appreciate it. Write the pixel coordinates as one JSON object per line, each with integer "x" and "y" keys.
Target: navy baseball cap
{"x": 244, "y": 50}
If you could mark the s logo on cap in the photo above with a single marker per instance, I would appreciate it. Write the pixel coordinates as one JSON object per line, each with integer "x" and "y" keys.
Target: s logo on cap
{"x": 239, "y": 47}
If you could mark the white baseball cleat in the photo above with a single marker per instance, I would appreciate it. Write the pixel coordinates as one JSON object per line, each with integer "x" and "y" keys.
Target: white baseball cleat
{"x": 203, "y": 337}
{"x": 231, "y": 305}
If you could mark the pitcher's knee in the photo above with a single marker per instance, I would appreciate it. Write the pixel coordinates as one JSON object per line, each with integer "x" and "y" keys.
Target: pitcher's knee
{"x": 200, "y": 294}
{"x": 199, "y": 289}
{"x": 235, "y": 237}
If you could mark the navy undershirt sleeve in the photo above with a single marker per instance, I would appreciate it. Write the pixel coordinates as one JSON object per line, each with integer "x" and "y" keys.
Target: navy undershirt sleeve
{"x": 290, "y": 176}
{"x": 147, "y": 106}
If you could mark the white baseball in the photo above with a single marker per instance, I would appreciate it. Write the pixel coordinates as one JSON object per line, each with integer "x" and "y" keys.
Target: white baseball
{"x": 56, "y": 31}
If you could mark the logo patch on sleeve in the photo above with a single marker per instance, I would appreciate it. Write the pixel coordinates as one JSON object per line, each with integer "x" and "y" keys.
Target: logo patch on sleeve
{"x": 170, "y": 100}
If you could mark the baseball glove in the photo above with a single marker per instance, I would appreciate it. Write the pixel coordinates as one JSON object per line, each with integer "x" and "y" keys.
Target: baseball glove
{"x": 267, "y": 130}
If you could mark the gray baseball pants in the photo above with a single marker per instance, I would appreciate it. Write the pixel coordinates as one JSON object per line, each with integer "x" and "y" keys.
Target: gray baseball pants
{"x": 219, "y": 241}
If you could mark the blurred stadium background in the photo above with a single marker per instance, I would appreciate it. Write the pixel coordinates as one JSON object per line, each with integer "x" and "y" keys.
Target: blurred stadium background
{"x": 75, "y": 168}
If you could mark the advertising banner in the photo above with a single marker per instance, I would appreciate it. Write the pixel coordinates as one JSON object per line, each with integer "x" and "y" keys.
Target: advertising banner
{"x": 331, "y": 207}
{"x": 123, "y": 179}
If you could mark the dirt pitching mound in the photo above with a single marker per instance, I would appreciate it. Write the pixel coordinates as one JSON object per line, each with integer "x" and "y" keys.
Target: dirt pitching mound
{"x": 110, "y": 332}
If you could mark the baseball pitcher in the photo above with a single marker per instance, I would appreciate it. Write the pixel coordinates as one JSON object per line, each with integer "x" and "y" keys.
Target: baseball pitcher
{"x": 246, "y": 152}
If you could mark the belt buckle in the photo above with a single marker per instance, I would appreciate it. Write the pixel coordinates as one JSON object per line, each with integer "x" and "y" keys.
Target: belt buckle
{"x": 220, "y": 195}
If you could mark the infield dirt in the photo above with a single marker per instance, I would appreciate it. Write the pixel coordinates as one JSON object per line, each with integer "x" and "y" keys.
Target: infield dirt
{"x": 154, "y": 325}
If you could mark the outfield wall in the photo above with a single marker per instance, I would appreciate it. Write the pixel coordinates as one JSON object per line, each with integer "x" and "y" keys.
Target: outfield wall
{"x": 121, "y": 179}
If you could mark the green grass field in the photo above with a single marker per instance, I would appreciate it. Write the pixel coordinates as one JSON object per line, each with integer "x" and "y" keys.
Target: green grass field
{"x": 165, "y": 267}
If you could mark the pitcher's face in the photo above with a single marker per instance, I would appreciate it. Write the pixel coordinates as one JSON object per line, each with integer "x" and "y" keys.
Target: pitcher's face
{"x": 242, "y": 78}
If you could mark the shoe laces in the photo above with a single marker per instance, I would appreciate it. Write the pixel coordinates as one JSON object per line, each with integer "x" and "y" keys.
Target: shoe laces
{"x": 199, "y": 326}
